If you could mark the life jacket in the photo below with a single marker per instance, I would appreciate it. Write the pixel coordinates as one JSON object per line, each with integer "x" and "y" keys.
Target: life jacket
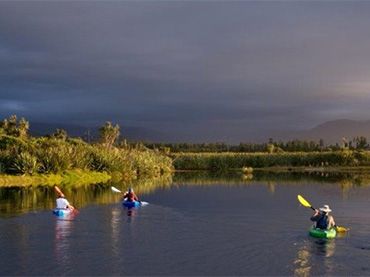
{"x": 322, "y": 223}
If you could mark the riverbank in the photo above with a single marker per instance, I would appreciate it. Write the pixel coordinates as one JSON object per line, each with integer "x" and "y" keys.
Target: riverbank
{"x": 288, "y": 160}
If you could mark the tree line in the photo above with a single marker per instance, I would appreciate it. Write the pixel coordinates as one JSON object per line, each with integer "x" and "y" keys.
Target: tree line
{"x": 357, "y": 143}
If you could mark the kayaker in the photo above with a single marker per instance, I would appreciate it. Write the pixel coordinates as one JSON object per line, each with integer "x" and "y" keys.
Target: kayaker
{"x": 62, "y": 203}
{"x": 322, "y": 218}
{"x": 130, "y": 195}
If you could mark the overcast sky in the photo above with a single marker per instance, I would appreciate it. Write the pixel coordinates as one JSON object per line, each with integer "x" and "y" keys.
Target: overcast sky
{"x": 211, "y": 70}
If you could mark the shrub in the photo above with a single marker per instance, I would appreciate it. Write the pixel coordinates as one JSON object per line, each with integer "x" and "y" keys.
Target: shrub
{"x": 25, "y": 163}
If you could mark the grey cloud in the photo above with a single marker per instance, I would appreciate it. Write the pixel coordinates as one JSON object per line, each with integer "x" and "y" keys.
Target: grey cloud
{"x": 270, "y": 64}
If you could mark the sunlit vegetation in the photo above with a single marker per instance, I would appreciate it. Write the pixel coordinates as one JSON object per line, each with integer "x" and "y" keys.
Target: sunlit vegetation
{"x": 58, "y": 154}
{"x": 226, "y": 161}
{"x": 51, "y": 159}
{"x": 356, "y": 143}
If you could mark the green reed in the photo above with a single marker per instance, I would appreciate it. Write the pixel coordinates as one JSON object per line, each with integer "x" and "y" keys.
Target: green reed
{"x": 226, "y": 161}
{"x": 50, "y": 155}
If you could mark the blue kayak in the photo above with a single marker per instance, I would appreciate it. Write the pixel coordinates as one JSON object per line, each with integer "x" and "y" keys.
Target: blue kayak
{"x": 62, "y": 212}
{"x": 131, "y": 204}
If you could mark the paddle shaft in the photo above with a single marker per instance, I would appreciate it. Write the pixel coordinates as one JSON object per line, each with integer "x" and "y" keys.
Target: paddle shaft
{"x": 116, "y": 190}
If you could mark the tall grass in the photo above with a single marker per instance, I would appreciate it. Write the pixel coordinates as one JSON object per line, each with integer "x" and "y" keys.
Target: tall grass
{"x": 48, "y": 155}
{"x": 224, "y": 161}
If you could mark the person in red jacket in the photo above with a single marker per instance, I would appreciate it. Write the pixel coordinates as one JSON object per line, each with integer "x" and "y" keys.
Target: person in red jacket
{"x": 130, "y": 195}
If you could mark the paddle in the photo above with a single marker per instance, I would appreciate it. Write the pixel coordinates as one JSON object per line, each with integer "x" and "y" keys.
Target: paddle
{"x": 305, "y": 203}
{"x": 143, "y": 203}
{"x": 116, "y": 189}
{"x": 59, "y": 191}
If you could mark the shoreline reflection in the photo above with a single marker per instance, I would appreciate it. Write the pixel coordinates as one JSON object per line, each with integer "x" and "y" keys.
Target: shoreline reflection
{"x": 20, "y": 200}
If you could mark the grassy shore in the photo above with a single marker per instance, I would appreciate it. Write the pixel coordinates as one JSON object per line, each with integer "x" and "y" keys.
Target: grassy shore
{"x": 229, "y": 161}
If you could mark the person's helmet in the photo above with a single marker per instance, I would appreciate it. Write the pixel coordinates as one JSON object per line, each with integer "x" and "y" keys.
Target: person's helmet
{"x": 130, "y": 190}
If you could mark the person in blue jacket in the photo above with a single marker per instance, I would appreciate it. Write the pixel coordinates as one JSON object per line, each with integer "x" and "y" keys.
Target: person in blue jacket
{"x": 323, "y": 220}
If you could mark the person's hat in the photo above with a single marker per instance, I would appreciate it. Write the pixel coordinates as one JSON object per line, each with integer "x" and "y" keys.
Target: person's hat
{"x": 130, "y": 190}
{"x": 325, "y": 209}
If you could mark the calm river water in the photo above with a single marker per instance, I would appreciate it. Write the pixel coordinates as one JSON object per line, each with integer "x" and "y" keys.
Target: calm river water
{"x": 192, "y": 227}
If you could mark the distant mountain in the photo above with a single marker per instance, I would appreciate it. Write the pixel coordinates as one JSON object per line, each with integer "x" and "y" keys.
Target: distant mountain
{"x": 334, "y": 131}
{"x": 331, "y": 132}
{"x": 337, "y": 129}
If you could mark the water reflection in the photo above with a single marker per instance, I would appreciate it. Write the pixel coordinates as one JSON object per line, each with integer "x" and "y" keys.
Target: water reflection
{"x": 63, "y": 230}
{"x": 116, "y": 230}
{"x": 131, "y": 213}
{"x": 271, "y": 187}
{"x": 324, "y": 247}
{"x": 17, "y": 200}
{"x": 173, "y": 235}
{"x": 302, "y": 263}
{"x": 358, "y": 179}
{"x": 314, "y": 257}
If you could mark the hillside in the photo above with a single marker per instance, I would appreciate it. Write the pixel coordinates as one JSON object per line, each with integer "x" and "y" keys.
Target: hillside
{"x": 330, "y": 131}
{"x": 334, "y": 131}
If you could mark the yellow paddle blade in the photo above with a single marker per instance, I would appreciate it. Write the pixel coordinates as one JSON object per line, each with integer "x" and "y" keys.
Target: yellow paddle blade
{"x": 303, "y": 201}
{"x": 341, "y": 229}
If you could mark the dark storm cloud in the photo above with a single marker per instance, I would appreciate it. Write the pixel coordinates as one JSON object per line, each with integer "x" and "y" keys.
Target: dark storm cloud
{"x": 186, "y": 66}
